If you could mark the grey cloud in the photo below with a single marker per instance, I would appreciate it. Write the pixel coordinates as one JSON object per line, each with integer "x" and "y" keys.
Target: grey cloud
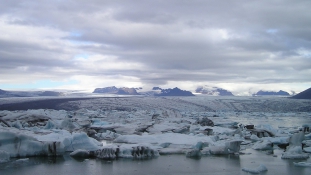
{"x": 170, "y": 39}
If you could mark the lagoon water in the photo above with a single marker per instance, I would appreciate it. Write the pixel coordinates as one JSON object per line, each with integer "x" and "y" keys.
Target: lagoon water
{"x": 164, "y": 165}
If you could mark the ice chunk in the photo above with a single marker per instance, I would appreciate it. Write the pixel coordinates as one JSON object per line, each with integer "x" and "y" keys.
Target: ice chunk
{"x": 261, "y": 168}
{"x": 193, "y": 153}
{"x": 165, "y": 145}
{"x": 107, "y": 153}
{"x": 308, "y": 149}
{"x": 254, "y": 138}
{"x": 108, "y": 135}
{"x": 205, "y": 122}
{"x": 263, "y": 145}
{"x": 268, "y": 128}
{"x": 217, "y": 150}
{"x": 22, "y": 160}
{"x": 21, "y": 145}
{"x": 294, "y": 150}
{"x": 67, "y": 124}
{"x": 50, "y": 125}
{"x": 17, "y": 124}
{"x": 80, "y": 153}
{"x": 205, "y": 151}
{"x": 303, "y": 164}
{"x": 82, "y": 141}
{"x": 125, "y": 151}
{"x": 230, "y": 147}
{"x": 175, "y": 150}
{"x": 4, "y": 156}
{"x": 308, "y": 136}
{"x": 233, "y": 146}
{"x": 53, "y": 148}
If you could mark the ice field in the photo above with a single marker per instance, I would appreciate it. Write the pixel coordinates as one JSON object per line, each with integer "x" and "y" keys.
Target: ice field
{"x": 215, "y": 130}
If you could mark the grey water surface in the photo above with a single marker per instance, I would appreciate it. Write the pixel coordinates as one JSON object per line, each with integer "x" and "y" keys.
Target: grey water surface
{"x": 164, "y": 165}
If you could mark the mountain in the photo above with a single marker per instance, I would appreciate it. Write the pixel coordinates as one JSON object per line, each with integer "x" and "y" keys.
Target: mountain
{"x": 115, "y": 90}
{"x": 108, "y": 90}
{"x": 214, "y": 91}
{"x": 306, "y": 94}
{"x": 261, "y": 93}
{"x": 2, "y": 92}
{"x": 156, "y": 88}
{"x": 174, "y": 92}
{"x": 127, "y": 91}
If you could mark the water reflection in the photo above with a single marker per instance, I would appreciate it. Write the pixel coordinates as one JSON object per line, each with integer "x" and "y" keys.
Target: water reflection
{"x": 165, "y": 164}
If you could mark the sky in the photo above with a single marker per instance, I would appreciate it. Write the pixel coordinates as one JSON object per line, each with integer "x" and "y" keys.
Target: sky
{"x": 239, "y": 45}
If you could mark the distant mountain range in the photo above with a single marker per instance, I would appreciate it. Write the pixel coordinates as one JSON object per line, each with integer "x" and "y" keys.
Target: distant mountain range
{"x": 262, "y": 93}
{"x": 214, "y": 91}
{"x": 172, "y": 92}
{"x": 306, "y": 94}
{"x": 4, "y": 93}
{"x": 132, "y": 91}
{"x": 118, "y": 91}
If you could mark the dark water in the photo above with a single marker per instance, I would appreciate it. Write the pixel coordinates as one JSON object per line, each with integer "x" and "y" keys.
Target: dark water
{"x": 166, "y": 165}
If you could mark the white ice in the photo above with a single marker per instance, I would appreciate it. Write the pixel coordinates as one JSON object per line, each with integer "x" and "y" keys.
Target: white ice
{"x": 261, "y": 168}
{"x": 164, "y": 125}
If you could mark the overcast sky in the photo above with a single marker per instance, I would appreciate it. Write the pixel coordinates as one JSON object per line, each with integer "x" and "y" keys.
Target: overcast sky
{"x": 239, "y": 45}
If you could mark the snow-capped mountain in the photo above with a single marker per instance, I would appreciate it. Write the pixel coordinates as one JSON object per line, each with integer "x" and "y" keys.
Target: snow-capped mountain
{"x": 214, "y": 91}
{"x": 173, "y": 92}
{"x": 261, "y": 93}
{"x": 115, "y": 90}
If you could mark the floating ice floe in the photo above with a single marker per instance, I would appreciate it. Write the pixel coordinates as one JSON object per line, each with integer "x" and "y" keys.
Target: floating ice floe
{"x": 111, "y": 152}
{"x": 303, "y": 164}
{"x": 308, "y": 149}
{"x": 25, "y": 143}
{"x": 21, "y": 145}
{"x": 230, "y": 147}
{"x": 22, "y": 160}
{"x": 294, "y": 150}
{"x": 263, "y": 145}
{"x": 261, "y": 168}
{"x": 80, "y": 153}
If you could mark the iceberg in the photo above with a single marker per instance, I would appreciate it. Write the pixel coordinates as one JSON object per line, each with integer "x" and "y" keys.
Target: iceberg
{"x": 21, "y": 145}
{"x": 230, "y": 147}
{"x": 303, "y": 164}
{"x": 261, "y": 168}
{"x": 4, "y": 156}
{"x": 294, "y": 150}
{"x": 80, "y": 153}
{"x": 135, "y": 151}
{"x": 263, "y": 145}
{"x": 193, "y": 153}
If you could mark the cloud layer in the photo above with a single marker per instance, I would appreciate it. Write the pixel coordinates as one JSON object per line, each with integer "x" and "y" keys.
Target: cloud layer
{"x": 239, "y": 45}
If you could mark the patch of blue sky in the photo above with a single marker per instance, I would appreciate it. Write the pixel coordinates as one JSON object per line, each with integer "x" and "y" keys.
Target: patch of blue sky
{"x": 304, "y": 52}
{"x": 41, "y": 84}
{"x": 272, "y": 31}
{"x": 82, "y": 55}
{"x": 81, "y": 43}
{"x": 76, "y": 34}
